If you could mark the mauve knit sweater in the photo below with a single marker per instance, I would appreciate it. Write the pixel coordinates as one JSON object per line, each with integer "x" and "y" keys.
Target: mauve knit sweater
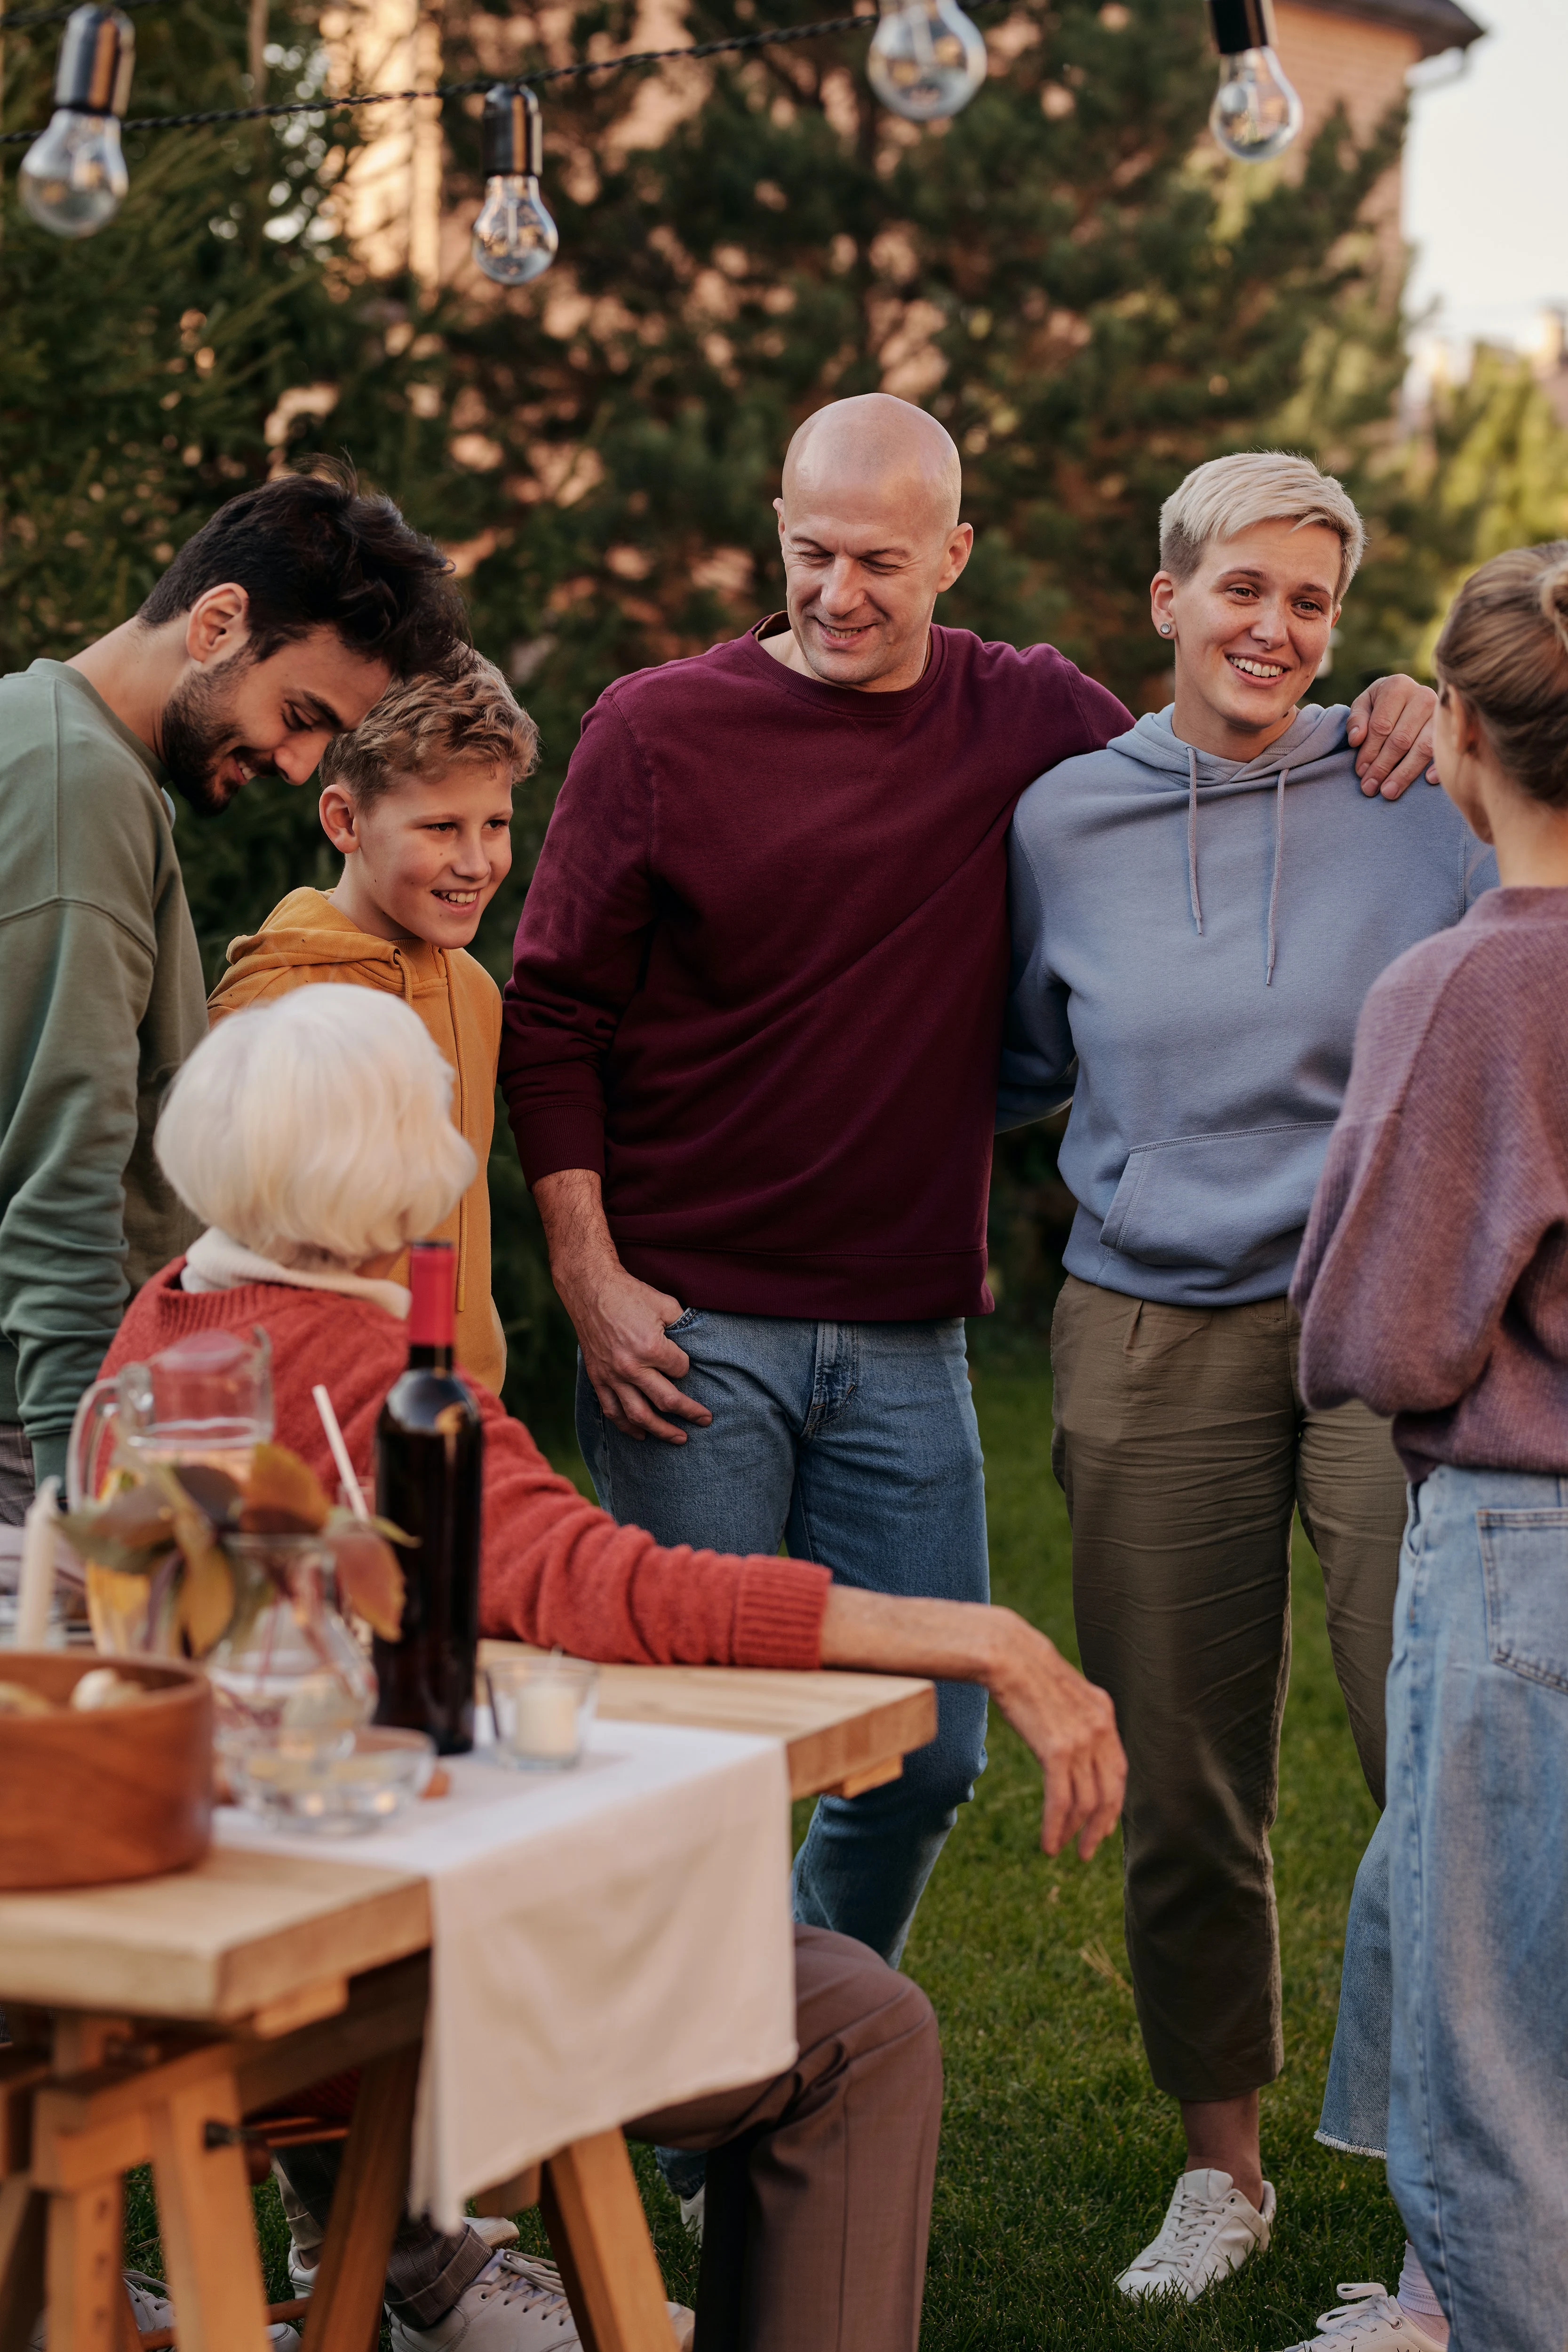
{"x": 760, "y": 973}
{"x": 1433, "y": 1279}
{"x": 556, "y": 1569}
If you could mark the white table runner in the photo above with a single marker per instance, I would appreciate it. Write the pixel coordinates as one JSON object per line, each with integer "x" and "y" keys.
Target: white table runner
{"x": 606, "y": 1941}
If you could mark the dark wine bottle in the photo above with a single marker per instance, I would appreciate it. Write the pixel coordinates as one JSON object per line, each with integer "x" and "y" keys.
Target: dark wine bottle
{"x": 429, "y": 1481}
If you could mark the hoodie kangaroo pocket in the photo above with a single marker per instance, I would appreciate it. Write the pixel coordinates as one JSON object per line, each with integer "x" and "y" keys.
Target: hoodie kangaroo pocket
{"x": 1223, "y": 1204}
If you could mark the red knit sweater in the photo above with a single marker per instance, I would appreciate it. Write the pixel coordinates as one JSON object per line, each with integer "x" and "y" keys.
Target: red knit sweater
{"x": 556, "y": 1569}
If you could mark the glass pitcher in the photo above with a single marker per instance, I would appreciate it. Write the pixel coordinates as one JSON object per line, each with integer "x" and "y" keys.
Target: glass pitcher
{"x": 206, "y": 1399}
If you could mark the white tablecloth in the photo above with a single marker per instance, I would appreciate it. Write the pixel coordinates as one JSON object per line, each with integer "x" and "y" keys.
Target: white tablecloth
{"x": 606, "y": 1941}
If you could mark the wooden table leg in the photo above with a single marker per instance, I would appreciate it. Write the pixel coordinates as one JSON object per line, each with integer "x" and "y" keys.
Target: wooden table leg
{"x": 129, "y": 2333}
{"x": 207, "y": 2221}
{"x": 82, "y": 2278}
{"x": 598, "y": 2234}
{"x": 24, "y": 2220}
{"x": 373, "y": 2187}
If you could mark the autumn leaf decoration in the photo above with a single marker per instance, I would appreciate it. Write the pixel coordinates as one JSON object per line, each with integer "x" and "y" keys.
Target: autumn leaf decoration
{"x": 183, "y": 1520}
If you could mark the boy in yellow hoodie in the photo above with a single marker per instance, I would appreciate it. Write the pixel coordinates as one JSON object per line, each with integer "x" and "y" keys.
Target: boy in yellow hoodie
{"x": 418, "y": 801}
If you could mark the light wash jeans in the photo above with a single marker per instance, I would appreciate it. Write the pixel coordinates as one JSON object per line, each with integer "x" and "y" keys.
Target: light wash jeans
{"x": 1451, "y": 2049}
{"x": 857, "y": 1443}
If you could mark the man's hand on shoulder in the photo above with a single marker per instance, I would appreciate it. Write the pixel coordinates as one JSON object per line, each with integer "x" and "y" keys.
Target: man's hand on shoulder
{"x": 620, "y": 1322}
{"x": 1391, "y": 731}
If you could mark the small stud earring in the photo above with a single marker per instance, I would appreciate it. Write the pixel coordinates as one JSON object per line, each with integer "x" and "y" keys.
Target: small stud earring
{"x": 1164, "y": 628}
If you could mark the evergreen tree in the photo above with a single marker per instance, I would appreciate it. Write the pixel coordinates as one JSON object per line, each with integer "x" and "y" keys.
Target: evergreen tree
{"x": 1087, "y": 295}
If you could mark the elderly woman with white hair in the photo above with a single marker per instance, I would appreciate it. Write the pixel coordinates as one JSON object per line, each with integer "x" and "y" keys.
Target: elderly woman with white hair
{"x": 1198, "y": 912}
{"x": 314, "y": 1137}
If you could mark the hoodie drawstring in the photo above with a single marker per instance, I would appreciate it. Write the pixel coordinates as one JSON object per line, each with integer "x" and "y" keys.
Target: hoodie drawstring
{"x": 1193, "y": 900}
{"x": 1279, "y": 870}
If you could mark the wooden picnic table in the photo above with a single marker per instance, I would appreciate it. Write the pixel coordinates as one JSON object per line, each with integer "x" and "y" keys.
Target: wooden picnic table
{"x": 148, "y": 2020}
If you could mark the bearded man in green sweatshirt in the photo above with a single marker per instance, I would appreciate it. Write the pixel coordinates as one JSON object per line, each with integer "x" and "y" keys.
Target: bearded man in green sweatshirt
{"x": 278, "y": 623}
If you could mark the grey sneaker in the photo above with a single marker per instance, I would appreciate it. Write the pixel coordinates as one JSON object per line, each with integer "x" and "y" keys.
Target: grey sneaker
{"x": 153, "y": 2310}
{"x": 1368, "y": 2320}
{"x": 1210, "y": 2228}
{"x": 694, "y": 2212}
{"x": 519, "y": 2306}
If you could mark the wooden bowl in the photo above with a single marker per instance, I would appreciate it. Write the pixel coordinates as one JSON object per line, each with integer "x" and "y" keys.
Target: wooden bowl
{"x": 109, "y": 1794}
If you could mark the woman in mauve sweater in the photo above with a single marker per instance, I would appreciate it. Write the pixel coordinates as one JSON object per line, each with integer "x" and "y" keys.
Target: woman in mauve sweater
{"x": 1434, "y": 1284}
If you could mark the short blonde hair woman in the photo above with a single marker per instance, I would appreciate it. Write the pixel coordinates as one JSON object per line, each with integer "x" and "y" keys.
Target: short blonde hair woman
{"x": 1198, "y": 911}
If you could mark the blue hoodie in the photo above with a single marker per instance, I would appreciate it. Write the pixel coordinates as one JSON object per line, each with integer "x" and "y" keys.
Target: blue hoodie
{"x": 1198, "y": 936}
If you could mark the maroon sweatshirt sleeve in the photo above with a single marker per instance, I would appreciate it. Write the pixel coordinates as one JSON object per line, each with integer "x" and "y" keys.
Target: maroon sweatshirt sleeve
{"x": 1438, "y": 1186}
{"x": 579, "y": 950}
{"x": 557, "y": 1570}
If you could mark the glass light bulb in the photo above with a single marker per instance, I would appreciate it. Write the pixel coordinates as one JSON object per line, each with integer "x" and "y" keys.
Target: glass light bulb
{"x": 1256, "y": 112}
{"x": 74, "y": 175}
{"x": 927, "y": 60}
{"x": 515, "y": 240}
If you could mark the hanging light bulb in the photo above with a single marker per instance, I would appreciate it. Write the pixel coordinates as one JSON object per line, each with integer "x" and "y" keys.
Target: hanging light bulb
{"x": 514, "y": 237}
{"x": 1256, "y": 112}
{"x": 927, "y": 59}
{"x": 73, "y": 177}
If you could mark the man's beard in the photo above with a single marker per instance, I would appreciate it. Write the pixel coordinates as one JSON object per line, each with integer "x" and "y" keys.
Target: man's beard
{"x": 196, "y": 740}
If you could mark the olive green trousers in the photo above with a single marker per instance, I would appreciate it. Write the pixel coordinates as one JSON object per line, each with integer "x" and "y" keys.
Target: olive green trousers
{"x": 1182, "y": 1445}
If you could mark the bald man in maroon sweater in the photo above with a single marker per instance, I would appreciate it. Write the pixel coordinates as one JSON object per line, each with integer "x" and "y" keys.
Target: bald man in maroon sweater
{"x": 750, "y": 1052}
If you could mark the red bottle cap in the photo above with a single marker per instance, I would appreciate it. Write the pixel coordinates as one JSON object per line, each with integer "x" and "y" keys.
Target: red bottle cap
{"x": 432, "y": 1279}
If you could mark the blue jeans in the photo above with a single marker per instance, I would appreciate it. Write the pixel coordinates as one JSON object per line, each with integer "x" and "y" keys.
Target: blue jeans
{"x": 1458, "y": 1928}
{"x": 856, "y": 1445}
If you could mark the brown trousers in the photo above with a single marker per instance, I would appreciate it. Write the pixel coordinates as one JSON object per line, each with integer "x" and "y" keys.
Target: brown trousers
{"x": 1182, "y": 1445}
{"x": 819, "y": 2182}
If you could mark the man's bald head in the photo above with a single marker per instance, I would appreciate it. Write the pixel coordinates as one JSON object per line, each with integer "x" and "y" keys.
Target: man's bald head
{"x": 870, "y": 536}
{"x": 876, "y": 445}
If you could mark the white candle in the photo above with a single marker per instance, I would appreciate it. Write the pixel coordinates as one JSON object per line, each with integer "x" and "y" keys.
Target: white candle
{"x": 35, "y": 1590}
{"x": 546, "y": 1717}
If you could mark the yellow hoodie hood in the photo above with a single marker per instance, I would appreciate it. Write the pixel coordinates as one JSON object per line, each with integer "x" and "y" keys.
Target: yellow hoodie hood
{"x": 305, "y": 929}
{"x": 306, "y": 940}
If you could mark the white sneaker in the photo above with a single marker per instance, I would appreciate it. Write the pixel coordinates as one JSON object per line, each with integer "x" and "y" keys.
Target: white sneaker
{"x": 1369, "y": 2320}
{"x": 694, "y": 2212}
{"x": 493, "y": 2228}
{"x": 1209, "y": 2230}
{"x": 154, "y": 2309}
{"x": 519, "y": 2306}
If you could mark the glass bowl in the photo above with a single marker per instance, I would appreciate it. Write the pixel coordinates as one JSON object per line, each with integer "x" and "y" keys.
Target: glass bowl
{"x": 377, "y": 1778}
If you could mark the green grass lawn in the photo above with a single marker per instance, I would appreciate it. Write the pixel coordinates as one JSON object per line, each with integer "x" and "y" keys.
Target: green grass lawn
{"x": 1058, "y": 2155}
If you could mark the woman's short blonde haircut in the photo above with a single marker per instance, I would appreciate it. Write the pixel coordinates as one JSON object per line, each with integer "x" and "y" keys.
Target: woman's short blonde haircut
{"x": 1230, "y": 495}
{"x": 465, "y": 711}
{"x": 315, "y": 1131}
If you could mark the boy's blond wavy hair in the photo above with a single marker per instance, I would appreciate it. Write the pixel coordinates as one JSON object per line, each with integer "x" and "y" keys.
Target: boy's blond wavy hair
{"x": 465, "y": 711}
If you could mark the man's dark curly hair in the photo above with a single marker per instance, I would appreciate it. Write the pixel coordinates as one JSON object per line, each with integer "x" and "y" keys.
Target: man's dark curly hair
{"x": 313, "y": 549}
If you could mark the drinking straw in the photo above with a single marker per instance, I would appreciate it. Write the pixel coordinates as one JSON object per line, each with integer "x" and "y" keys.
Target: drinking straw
{"x": 36, "y": 1590}
{"x": 340, "y": 1452}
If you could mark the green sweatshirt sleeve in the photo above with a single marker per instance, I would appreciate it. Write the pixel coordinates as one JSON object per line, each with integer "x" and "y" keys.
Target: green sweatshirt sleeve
{"x": 76, "y": 989}
{"x": 100, "y": 1000}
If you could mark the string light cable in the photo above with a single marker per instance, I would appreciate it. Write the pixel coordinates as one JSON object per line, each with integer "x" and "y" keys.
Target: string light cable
{"x": 771, "y": 37}
{"x": 927, "y": 59}
{"x": 21, "y": 20}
